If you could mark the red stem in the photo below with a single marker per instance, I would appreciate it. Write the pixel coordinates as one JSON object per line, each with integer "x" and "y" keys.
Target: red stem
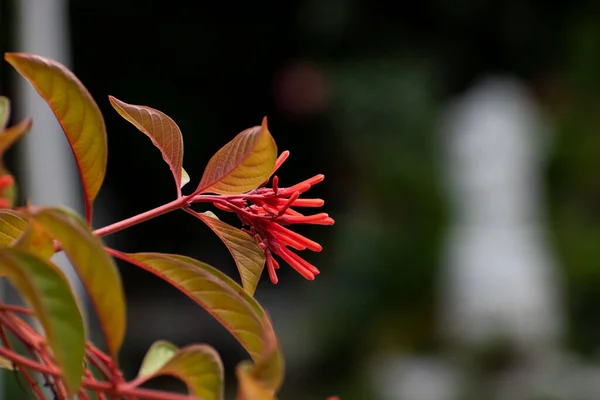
{"x": 176, "y": 204}
{"x": 136, "y": 219}
{"x": 30, "y": 380}
{"x": 32, "y": 341}
{"x": 15, "y": 309}
{"x": 88, "y": 374}
{"x": 104, "y": 387}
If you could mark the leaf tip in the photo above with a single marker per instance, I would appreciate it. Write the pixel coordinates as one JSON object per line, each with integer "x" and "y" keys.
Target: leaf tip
{"x": 112, "y": 99}
{"x": 11, "y": 57}
{"x": 185, "y": 178}
{"x": 210, "y": 214}
{"x": 27, "y": 124}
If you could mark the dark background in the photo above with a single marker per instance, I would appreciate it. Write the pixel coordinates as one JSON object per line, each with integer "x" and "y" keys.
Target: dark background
{"x": 354, "y": 90}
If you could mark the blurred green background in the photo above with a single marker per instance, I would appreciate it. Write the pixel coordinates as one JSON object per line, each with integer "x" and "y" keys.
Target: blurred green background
{"x": 355, "y": 89}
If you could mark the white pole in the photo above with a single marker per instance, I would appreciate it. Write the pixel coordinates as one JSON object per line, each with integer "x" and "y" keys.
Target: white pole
{"x": 49, "y": 170}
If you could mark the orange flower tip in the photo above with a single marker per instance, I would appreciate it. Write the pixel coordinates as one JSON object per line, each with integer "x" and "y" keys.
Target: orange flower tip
{"x": 308, "y": 203}
{"x": 316, "y": 179}
{"x": 274, "y": 262}
{"x": 280, "y": 160}
{"x": 273, "y": 277}
{"x": 306, "y": 274}
{"x": 264, "y": 122}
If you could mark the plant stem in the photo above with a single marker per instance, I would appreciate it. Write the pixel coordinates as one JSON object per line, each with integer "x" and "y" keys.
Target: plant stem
{"x": 178, "y": 203}
{"x": 103, "y": 387}
{"x": 136, "y": 219}
{"x": 15, "y": 309}
{"x": 27, "y": 363}
{"x": 30, "y": 380}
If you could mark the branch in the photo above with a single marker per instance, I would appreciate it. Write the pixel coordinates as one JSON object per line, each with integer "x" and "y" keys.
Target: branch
{"x": 137, "y": 219}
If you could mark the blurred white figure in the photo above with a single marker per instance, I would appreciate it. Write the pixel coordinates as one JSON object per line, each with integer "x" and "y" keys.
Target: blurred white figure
{"x": 499, "y": 280}
{"x": 397, "y": 377}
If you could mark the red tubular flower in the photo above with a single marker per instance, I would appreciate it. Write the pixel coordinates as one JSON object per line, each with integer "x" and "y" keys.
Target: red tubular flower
{"x": 267, "y": 210}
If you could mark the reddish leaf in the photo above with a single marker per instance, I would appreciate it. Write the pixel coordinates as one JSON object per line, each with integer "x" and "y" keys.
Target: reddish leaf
{"x": 162, "y": 131}
{"x": 10, "y": 135}
{"x": 242, "y": 164}
{"x": 76, "y": 112}
{"x": 248, "y": 257}
{"x": 226, "y": 301}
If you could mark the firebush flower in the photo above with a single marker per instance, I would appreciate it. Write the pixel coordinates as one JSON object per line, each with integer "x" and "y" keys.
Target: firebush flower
{"x": 267, "y": 211}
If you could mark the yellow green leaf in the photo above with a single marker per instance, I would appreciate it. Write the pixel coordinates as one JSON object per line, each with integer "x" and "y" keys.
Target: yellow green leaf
{"x": 157, "y": 355}
{"x": 249, "y": 388}
{"x": 227, "y": 301}
{"x": 95, "y": 268}
{"x": 35, "y": 240}
{"x": 242, "y": 164}
{"x": 249, "y": 258}
{"x": 6, "y": 364}
{"x": 76, "y": 112}
{"x": 12, "y": 226}
{"x": 4, "y": 112}
{"x": 185, "y": 178}
{"x": 44, "y": 287}
{"x": 162, "y": 131}
{"x": 199, "y": 366}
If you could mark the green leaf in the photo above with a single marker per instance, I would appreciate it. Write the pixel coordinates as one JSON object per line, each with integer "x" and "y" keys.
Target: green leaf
{"x": 95, "y": 268}
{"x": 4, "y": 112}
{"x": 44, "y": 287}
{"x": 235, "y": 309}
{"x": 162, "y": 131}
{"x": 12, "y": 226}
{"x": 76, "y": 112}
{"x": 249, "y": 258}
{"x": 242, "y": 164}
{"x": 199, "y": 366}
